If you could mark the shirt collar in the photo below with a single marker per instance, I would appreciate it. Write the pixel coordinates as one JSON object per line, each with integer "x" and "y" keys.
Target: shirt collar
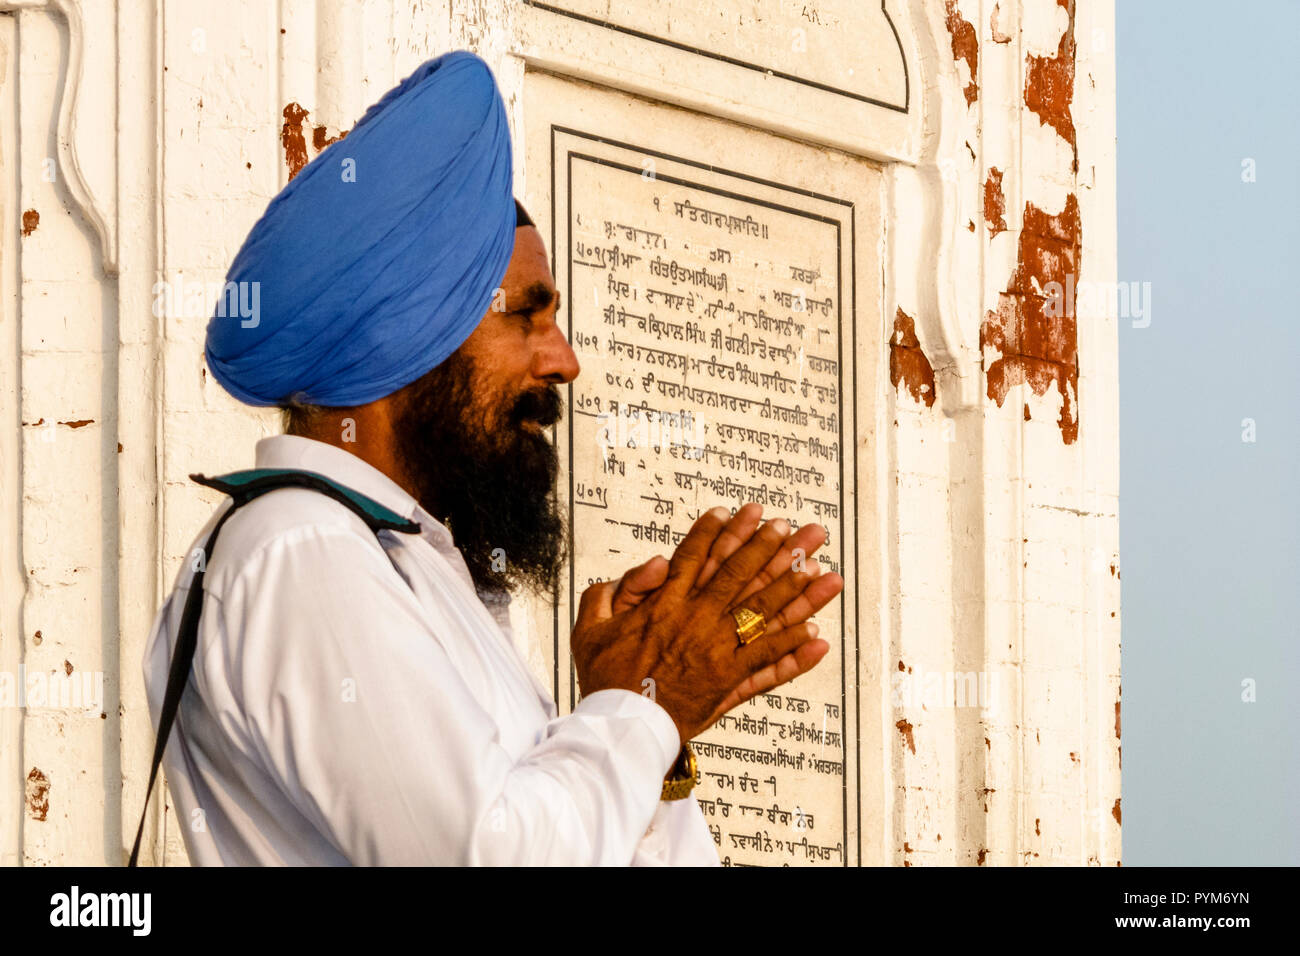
{"x": 308, "y": 454}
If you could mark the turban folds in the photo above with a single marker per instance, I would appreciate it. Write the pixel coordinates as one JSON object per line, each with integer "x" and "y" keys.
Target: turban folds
{"x": 381, "y": 256}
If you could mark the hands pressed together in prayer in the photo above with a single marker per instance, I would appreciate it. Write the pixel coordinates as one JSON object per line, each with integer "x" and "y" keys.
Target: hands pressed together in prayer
{"x": 670, "y": 620}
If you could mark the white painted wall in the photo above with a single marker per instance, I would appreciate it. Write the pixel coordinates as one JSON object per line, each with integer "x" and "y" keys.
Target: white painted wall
{"x": 148, "y": 138}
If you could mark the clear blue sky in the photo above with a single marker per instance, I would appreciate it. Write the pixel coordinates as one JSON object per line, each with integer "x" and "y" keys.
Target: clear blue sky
{"x": 1208, "y": 523}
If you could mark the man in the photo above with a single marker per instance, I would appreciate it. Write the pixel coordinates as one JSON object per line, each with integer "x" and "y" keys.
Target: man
{"x": 357, "y": 696}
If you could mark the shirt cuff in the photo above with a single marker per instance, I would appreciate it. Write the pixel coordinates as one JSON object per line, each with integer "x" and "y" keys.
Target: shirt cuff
{"x": 626, "y": 703}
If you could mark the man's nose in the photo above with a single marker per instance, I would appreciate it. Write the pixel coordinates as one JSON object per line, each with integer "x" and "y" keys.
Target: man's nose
{"x": 554, "y": 360}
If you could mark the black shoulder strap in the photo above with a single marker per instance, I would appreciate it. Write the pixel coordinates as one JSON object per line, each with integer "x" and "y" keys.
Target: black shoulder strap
{"x": 243, "y": 487}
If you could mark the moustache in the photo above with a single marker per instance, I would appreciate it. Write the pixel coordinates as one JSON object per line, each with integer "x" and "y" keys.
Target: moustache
{"x": 543, "y": 406}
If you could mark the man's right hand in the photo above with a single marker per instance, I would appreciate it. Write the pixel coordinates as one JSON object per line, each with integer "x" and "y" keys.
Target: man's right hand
{"x": 683, "y": 637}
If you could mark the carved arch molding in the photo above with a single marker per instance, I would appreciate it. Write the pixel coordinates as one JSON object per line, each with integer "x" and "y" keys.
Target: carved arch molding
{"x": 92, "y": 191}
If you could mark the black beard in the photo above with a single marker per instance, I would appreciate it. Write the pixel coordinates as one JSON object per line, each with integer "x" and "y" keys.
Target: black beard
{"x": 491, "y": 481}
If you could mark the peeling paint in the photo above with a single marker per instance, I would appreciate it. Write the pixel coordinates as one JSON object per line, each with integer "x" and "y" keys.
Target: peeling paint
{"x": 79, "y": 423}
{"x": 1049, "y": 85}
{"x": 906, "y": 730}
{"x": 1114, "y": 812}
{"x": 965, "y": 46}
{"x": 1037, "y": 831}
{"x": 998, "y": 35}
{"x": 1038, "y": 337}
{"x": 320, "y": 138}
{"x": 907, "y": 363}
{"x": 291, "y": 137}
{"x": 995, "y": 203}
{"x": 38, "y": 795}
{"x": 67, "y": 666}
{"x": 983, "y": 854}
{"x": 294, "y": 139}
{"x": 31, "y": 219}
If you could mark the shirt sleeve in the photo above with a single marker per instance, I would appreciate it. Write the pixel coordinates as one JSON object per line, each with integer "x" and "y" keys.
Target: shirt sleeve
{"x": 678, "y": 836}
{"x": 355, "y": 707}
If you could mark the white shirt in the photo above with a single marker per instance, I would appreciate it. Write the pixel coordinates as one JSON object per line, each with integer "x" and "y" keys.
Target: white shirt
{"x": 358, "y": 703}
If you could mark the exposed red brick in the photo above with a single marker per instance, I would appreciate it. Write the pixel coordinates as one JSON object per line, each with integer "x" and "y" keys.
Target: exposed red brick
{"x": 38, "y": 795}
{"x": 1049, "y": 84}
{"x": 291, "y": 137}
{"x": 320, "y": 138}
{"x": 907, "y": 363}
{"x": 31, "y": 219}
{"x": 965, "y": 46}
{"x": 1114, "y": 811}
{"x": 995, "y": 203}
{"x": 1038, "y": 344}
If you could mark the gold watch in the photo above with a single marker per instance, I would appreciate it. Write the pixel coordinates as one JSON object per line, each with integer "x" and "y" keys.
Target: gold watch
{"x": 681, "y": 779}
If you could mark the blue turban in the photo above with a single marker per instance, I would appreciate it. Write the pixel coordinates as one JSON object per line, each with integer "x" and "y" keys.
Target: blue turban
{"x": 381, "y": 256}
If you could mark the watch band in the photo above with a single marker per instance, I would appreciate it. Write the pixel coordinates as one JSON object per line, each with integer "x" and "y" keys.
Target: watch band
{"x": 681, "y": 780}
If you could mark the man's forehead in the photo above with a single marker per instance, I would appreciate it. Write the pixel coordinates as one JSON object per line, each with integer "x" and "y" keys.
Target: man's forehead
{"x": 528, "y": 276}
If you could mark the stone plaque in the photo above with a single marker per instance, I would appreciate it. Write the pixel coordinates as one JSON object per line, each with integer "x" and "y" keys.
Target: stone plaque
{"x": 712, "y": 311}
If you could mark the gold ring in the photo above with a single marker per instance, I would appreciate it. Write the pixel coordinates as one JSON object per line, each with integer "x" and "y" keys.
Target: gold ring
{"x": 750, "y": 625}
